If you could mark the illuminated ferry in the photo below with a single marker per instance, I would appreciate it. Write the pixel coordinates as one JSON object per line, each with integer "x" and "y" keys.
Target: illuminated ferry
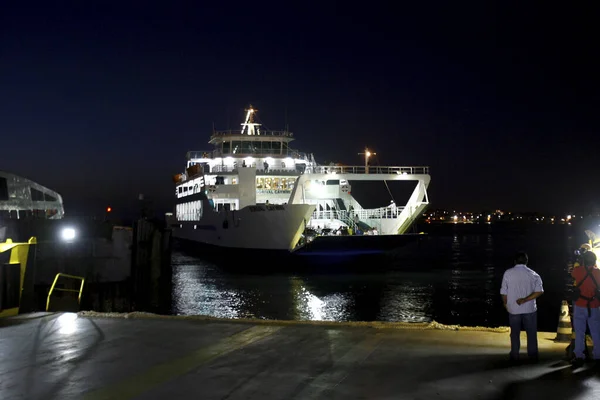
{"x": 253, "y": 191}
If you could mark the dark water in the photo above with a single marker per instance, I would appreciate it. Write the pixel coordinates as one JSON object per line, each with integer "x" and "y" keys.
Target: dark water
{"x": 453, "y": 276}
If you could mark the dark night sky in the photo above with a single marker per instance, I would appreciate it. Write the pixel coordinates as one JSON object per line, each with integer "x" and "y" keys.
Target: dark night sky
{"x": 101, "y": 102}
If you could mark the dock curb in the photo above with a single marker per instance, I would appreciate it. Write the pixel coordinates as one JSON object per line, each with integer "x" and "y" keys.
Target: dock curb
{"x": 433, "y": 325}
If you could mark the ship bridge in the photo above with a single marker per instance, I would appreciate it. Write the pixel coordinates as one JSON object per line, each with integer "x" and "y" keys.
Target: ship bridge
{"x": 251, "y": 140}
{"x": 251, "y": 146}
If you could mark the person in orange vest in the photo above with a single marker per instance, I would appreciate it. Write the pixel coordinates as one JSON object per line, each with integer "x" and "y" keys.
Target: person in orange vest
{"x": 586, "y": 307}
{"x": 585, "y": 247}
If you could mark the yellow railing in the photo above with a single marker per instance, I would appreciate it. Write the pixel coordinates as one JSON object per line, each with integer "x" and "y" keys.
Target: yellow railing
{"x": 53, "y": 288}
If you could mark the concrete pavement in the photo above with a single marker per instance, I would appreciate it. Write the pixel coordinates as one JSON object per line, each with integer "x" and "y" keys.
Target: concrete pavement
{"x": 63, "y": 356}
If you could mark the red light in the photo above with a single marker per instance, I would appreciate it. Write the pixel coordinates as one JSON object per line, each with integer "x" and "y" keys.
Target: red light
{"x": 108, "y": 209}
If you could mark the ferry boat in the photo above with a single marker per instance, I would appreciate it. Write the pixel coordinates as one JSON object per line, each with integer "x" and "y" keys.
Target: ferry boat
{"x": 253, "y": 191}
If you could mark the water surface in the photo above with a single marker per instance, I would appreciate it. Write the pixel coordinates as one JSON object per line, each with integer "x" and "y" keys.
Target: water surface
{"x": 452, "y": 277}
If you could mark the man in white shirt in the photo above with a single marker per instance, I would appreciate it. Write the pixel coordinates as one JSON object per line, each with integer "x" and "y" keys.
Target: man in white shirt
{"x": 520, "y": 287}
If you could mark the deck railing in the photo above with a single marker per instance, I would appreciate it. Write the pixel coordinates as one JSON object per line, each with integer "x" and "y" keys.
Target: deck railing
{"x": 262, "y": 133}
{"x": 328, "y": 170}
{"x": 212, "y": 154}
{"x": 376, "y": 213}
{"x": 270, "y": 171}
{"x": 191, "y": 155}
{"x": 324, "y": 169}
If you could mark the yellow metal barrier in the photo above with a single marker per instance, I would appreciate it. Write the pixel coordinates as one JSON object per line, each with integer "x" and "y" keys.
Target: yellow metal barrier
{"x": 53, "y": 288}
{"x": 11, "y": 282}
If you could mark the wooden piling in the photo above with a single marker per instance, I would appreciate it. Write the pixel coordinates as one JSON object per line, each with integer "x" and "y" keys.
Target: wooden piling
{"x": 151, "y": 267}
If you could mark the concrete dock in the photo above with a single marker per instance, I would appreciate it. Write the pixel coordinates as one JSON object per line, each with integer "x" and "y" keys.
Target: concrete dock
{"x": 70, "y": 356}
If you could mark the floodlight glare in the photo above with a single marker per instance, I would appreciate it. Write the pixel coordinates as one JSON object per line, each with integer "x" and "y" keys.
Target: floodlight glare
{"x": 68, "y": 234}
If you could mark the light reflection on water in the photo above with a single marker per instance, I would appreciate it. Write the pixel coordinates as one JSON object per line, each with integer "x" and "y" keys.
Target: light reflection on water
{"x": 458, "y": 284}
{"x": 310, "y": 307}
{"x": 201, "y": 288}
{"x": 408, "y": 301}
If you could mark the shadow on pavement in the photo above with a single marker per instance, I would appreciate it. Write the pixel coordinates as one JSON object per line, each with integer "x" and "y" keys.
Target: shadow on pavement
{"x": 20, "y": 320}
{"x": 564, "y": 383}
{"x": 440, "y": 366}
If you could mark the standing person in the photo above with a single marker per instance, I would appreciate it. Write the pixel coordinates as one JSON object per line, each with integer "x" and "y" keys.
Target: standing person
{"x": 586, "y": 307}
{"x": 520, "y": 287}
{"x": 585, "y": 247}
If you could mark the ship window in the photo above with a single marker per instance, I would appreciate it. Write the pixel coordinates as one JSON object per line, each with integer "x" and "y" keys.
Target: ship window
{"x": 289, "y": 183}
{"x": 226, "y": 147}
{"x": 271, "y": 147}
{"x": 36, "y": 195}
{"x": 3, "y": 189}
{"x": 4, "y": 214}
{"x": 47, "y": 197}
{"x": 247, "y": 148}
{"x": 180, "y": 189}
{"x": 275, "y": 147}
{"x": 236, "y": 147}
{"x": 275, "y": 185}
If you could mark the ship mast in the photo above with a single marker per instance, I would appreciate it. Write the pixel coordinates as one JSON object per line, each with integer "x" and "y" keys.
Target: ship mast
{"x": 249, "y": 123}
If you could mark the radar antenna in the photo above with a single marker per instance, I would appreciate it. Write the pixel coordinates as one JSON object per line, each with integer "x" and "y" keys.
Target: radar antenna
{"x": 249, "y": 125}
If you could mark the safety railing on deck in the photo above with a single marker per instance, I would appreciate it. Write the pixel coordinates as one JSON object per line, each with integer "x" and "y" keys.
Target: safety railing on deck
{"x": 276, "y": 154}
{"x": 193, "y": 155}
{"x": 336, "y": 169}
{"x": 53, "y": 288}
{"x": 376, "y": 213}
{"x": 262, "y": 133}
{"x": 259, "y": 168}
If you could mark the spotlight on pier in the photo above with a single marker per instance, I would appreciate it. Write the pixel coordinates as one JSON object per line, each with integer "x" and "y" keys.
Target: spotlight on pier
{"x": 68, "y": 234}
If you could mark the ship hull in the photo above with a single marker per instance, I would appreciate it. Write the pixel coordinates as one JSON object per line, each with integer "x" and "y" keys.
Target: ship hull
{"x": 254, "y": 228}
{"x": 357, "y": 244}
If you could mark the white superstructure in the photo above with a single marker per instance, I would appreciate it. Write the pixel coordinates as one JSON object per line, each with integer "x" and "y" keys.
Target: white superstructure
{"x": 21, "y": 198}
{"x": 254, "y": 191}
